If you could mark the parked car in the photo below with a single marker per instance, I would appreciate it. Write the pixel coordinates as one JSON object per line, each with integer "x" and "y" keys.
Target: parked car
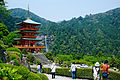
{"x": 84, "y": 66}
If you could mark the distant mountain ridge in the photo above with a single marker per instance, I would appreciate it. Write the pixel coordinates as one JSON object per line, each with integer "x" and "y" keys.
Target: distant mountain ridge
{"x": 22, "y": 13}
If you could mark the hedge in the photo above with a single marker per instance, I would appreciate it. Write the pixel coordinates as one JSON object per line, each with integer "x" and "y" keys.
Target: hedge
{"x": 82, "y": 73}
{"x": 26, "y": 74}
{"x": 114, "y": 75}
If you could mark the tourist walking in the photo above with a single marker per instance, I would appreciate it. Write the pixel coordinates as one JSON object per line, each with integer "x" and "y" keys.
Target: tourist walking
{"x": 105, "y": 68}
{"x": 53, "y": 69}
{"x": 96, "y": 71}
{"x": 73, "y": 69}
{"x": 39, "y": 68}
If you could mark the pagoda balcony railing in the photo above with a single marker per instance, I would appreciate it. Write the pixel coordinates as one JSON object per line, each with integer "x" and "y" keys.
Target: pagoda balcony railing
{"x": 29, "y": 29}
{"x": 27, "y": 46}
{"x": 28, "y": 36}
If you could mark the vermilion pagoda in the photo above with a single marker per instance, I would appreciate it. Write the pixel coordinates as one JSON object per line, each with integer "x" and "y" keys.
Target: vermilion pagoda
{"x": 28, "y": 39}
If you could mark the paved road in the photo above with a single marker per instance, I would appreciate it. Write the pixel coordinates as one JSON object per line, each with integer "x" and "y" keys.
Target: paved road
{"x": 61, "y": 77}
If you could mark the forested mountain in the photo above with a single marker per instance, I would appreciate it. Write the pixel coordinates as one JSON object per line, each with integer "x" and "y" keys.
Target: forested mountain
{"x": 21, "y": 13}
{"x": 89, "y": 35}
{"x": 18, "y": 15}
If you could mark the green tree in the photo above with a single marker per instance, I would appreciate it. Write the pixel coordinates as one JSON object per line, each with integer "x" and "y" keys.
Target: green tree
{"x": 30, "y": 58}
{"x": 24, "y": 51}
{"x": 9, "y": 39}
{"x": 3, "y": 30}
{"x": 100, "y": 54}
{"x": 49, "y": 55}
{"x": 112, "y": 62}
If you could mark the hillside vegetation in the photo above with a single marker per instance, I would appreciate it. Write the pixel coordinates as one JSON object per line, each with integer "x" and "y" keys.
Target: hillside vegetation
{"x": 90, "y": 35}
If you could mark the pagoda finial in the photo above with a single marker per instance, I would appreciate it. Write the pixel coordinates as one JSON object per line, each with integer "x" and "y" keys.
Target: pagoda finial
{"x": 28, "y": 15}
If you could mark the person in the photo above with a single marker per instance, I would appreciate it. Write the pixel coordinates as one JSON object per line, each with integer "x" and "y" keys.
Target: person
{"x": 73, "y": 69}
{"x": 38, "y": 68}
{"x": 53, "y": 69}
{"x": 96, "y": 71}
{"x": 105, "y": 68}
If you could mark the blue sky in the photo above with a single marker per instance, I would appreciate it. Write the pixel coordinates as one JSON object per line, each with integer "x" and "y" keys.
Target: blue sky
{"x": 58, "y": 10}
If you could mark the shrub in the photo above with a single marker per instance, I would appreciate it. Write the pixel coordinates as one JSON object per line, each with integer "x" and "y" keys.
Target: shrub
{"x": 24, "y": 51}
{"x": 3, "y": 47}
{"x": 30, "y": 57}
{"x": 13, "y": 49}
{"x": 0, "y": 60}
{"x": 12, "y": 56}
{"x": 22, "y": 70}
{"x": 7, "y": 65}
{"x": 37, "y": 61}
{"x": 9, "y": 73}
{"x": 42, "y": 76}
{"x": 26, "y": 74}
{"x": 33, "y": 76}
{"x": 16, "y": 62}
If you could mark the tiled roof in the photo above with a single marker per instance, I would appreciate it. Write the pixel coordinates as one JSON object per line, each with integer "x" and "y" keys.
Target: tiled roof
{"x": 29, "y": 21}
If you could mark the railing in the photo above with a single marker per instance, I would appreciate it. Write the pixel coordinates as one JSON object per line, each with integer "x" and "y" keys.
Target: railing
{"x": 34, "y": 29}
{"x": 26, "y": 46}
{"x": 28, "y": 36}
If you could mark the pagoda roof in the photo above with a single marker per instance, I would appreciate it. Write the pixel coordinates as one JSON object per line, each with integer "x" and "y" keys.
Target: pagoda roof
{"x": 29, "y": 21}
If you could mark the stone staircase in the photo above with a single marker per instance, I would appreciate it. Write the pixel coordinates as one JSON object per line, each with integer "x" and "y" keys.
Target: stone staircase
{"x": 43, "y": 59}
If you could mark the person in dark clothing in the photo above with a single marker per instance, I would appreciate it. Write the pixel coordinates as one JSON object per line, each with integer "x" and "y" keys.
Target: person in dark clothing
{"x": 40, "y": 68}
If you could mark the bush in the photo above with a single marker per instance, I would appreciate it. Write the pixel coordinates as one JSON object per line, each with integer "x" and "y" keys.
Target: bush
{"x": 12, "y": 56}
{"x": 0, "y": 60}
{"x": 30, "y": 58}
{"x": 24, "y": 51}
{"x": 26, "y": 74}
{"x": 16, "y": 62}
{"x": 37, "y": 61}
{"x": 9, "y": 73}
{"x": 33, "y": 76}
{"x": 22, "y": 70}
{"x": 3, "y": 47}
{"x": 13, "y": 49}
{"x": 42, "y": 76}
{"x": 7, "y": 65}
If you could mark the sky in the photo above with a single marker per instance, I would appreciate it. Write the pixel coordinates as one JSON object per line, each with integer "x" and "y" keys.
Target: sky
{"x": 59, "y": 10}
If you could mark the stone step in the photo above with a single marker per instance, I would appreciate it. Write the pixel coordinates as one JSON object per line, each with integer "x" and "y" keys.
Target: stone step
{"x": 43, "y": 59}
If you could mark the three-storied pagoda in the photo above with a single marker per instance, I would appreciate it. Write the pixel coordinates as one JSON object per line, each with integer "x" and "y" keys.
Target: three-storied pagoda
{"x": 29, "y": 39}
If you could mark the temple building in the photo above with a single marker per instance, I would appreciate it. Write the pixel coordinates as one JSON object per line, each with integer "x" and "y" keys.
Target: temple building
{"x": 29, "y": 39}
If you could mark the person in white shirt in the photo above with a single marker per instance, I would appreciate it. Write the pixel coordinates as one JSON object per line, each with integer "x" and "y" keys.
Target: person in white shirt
{"x": 73, "y": 69}
{"x": 53, "y": 69}
{"x": 96, "y": 71}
